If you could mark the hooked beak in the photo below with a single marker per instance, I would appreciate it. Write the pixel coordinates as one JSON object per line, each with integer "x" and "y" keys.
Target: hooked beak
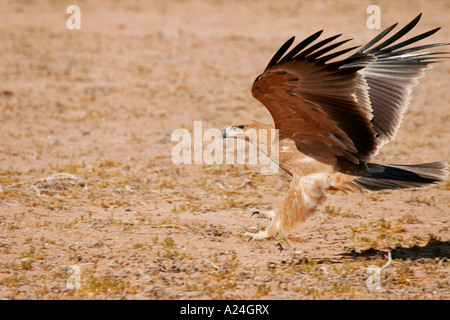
{"x": 224, "y": 133}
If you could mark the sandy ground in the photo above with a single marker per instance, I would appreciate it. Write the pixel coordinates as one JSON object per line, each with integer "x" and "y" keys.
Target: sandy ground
{"x": 92, "y": 207}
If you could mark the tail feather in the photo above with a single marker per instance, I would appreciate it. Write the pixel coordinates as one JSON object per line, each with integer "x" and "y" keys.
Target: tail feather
{"x": 394, "y": 176}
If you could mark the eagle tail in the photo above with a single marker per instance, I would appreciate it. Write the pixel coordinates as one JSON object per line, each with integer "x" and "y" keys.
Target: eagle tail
{"x": 394, "y": 176}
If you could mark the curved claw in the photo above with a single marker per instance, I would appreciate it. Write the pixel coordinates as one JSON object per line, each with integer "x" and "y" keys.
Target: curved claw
{"x": 280, "y": 247}
{"x": 255, "y": 212}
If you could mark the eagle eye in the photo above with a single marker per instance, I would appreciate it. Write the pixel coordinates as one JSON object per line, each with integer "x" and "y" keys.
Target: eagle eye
{"x": 241, "y": 127}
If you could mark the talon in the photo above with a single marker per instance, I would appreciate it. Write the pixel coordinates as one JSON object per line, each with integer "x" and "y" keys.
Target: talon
{"x": 280, "y": 246}
{"x": 255, "y": 212}
{"x": 249, "y": 235}
{"x": 261, "y": 214}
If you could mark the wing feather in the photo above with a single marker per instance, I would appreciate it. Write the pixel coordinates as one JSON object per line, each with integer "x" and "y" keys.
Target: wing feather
{"x": 315, "y": 105}
{"x": 347, "y": 108}
{"x": 390, "y": 75}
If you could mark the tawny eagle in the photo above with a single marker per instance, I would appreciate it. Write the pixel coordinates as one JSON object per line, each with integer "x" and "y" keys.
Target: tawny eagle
{"x": 334, "y": 115}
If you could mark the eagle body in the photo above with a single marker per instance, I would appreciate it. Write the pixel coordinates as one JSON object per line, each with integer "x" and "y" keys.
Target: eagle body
{"x": 332, "y": 117}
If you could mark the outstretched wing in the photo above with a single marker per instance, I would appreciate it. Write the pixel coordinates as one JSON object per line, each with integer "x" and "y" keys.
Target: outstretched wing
{"x": 348, "y": 108}
{"x": 384, "y": 84}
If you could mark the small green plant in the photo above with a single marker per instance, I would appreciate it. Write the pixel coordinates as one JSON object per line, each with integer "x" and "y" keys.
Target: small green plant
{"x": 137, "y": 245}
{"x": 169, "y": 242}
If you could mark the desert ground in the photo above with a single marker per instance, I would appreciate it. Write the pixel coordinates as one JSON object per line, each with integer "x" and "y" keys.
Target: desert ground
{"x": 93, "y": 207}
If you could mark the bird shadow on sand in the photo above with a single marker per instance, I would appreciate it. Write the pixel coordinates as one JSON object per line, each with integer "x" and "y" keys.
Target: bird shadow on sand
{"x": 433, "y": 249}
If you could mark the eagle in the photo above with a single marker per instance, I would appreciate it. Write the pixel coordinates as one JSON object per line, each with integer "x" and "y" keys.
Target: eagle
{"x": 331, "y": 115}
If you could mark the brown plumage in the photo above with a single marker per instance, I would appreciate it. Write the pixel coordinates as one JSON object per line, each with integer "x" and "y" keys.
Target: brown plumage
{"x": 332, "y": 118}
